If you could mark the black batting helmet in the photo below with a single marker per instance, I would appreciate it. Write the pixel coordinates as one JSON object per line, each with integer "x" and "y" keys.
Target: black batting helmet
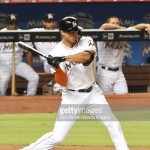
{"x": 69, "y": 23}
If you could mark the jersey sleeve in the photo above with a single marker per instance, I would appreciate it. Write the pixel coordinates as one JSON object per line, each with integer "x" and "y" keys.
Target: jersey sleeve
{"x": 89, "y": 44}
{"x": 131, "y": 28}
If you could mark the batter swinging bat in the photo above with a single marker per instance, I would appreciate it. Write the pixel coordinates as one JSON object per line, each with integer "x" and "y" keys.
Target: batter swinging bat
{"x": 28, "y": 47}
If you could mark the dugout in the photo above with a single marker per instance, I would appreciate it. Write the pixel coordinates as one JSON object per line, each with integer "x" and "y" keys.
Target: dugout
{"x": 98, "y": 11}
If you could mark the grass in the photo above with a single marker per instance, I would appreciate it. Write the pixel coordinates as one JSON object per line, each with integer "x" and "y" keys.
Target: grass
{"x": 22, "y": 129}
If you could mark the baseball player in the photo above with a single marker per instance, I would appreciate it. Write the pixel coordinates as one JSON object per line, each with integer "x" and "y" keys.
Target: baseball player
{"x": 111, "y": 54}
{"x": 21, "y": 69}
{"x": 73, "y": 62}
{"x": 49, "y": 23}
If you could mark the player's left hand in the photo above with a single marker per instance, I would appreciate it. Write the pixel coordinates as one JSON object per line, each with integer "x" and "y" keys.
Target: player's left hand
{"x": 55, "y": 61}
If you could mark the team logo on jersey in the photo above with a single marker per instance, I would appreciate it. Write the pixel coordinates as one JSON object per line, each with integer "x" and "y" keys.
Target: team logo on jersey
{"x": 8, "y": 46}
{"x": 69, "y": 65}
{"x": 115, "y": 45}
{"x": 91, "y": 43}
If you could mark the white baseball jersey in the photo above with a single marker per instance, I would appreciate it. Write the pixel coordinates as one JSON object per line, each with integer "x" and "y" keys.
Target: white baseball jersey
{"x": 77, "y": 72}
{"x": 21, "y": 69}
{"x": 111, "y": 53}
{"x": 6, "y": 50}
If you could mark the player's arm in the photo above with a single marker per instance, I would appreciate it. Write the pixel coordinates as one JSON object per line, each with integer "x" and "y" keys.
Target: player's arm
{"x": 29, "y": 57}
{"x": 82, "y": 57}
{"x": 110, "y": 26}
{"x": 61, "y": 78}
{"x": 142, "y": 26}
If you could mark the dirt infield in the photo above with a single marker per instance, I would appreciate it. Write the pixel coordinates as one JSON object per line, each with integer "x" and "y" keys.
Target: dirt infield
{"x": 75, "y": 148}
{"x": 44, "y": 104}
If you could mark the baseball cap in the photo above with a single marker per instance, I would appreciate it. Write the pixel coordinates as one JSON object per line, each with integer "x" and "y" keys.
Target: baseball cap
{"x": 12, "y": 18}
{"x": 49, "y": 17}
{"x": 69, "y": 23}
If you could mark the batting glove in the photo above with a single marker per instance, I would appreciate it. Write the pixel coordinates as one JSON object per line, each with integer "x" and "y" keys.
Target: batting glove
{"x": 55, "y": 61}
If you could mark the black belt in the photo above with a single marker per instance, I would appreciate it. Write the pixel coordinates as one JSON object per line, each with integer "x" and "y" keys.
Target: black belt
{"x": 82, "y": 90}
{"x": 111, "y": 69}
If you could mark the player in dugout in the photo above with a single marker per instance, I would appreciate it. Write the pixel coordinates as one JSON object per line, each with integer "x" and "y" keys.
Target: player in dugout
{"x": 110, "y": 76}
{"x": 49, "y": 23}
{"x": 21, "y": 69}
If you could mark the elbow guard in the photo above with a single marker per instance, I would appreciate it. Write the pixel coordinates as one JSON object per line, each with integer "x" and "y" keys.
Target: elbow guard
{"x": 90, "y": 60}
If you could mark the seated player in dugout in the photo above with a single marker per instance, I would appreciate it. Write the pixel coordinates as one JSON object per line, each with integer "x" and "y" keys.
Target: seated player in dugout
{"x": 49, "y": 23}
{"x": 110, "y": 76}
{"x": 21, "y": 69}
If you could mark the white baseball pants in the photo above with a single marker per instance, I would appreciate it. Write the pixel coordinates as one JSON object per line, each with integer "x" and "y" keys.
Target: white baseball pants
{"x": 22, "y": 70}
{"x": 62, "y": 128}
{"x": 111, "y": 81}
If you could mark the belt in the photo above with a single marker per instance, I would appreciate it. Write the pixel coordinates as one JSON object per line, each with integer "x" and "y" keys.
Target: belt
{"x": 82, "y": 90}
{"x": 111, "y": 69}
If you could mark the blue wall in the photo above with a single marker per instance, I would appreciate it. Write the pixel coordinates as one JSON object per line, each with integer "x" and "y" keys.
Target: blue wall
{"x": 130, "y": 14}
{"x": 127, "y": 11}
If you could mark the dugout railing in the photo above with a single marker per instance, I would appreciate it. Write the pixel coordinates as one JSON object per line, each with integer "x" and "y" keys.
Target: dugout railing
{"x": 135, "y": 79}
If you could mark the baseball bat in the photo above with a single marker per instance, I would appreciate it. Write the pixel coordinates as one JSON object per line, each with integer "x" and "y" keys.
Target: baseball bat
{"x": 28, "y": 47}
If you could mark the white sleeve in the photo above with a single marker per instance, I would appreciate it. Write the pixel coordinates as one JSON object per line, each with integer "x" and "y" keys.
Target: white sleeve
{"x": 90, "y": 44}
{"x": 131, "y": 28}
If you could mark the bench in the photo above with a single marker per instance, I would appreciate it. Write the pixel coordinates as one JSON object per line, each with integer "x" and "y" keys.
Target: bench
{"x": 138, "y": 78}
{"x": 21, "y": 83}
